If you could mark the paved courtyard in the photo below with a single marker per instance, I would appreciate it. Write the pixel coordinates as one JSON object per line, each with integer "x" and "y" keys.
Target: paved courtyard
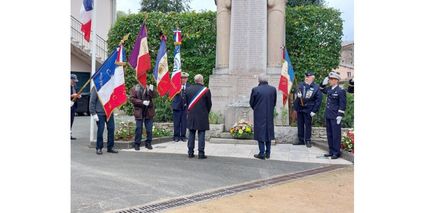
{"x": 130, "y": 178}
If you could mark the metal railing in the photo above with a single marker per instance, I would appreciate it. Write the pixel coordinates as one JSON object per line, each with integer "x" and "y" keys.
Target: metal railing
{"x": 78, "y": 37}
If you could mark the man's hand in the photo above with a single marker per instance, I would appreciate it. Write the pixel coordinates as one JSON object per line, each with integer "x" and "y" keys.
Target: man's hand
{"x": 299, "y": 95}
{"x": 338, "y": 119}
{"x": 95, "y": 117}
{"x": 150, "y": 87}
{"x": 312, "y": 114}
{"x": 325, "y": 81}
{"x": 146, "y": 103}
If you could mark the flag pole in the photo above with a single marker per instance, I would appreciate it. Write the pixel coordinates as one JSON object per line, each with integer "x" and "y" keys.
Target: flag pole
{"x": 93, "y": 62}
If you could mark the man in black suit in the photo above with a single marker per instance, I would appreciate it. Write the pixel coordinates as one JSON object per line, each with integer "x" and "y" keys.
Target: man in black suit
{"x": 199, "y": 106}
{"x": 179, "y": 106}
{"x": 263, "y": 102}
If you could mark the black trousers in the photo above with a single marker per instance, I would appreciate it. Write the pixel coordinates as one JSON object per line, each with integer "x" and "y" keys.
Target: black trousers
{"x": 201, "y": 141}
{"x": 333, "y": 132}
{"x": 304, "y": 122}
{"x": 179, "y": 120}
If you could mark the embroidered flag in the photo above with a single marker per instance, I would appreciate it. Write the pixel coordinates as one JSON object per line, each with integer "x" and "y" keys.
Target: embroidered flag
{"x": 160, "y": 72}
{"x": 140, "y": 59}
{"x": 286, "y": 76}
{"x": 86, "y": 16}
{"x": 197, "y": 97}
{"x": 109, "y": 82}
{"x": 176, "y": 84}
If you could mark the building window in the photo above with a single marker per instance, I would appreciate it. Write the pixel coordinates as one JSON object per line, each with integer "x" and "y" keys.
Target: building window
{"x": 349, "y": 74}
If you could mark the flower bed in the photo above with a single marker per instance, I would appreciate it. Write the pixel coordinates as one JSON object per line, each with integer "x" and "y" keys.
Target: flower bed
{"x": 347, "y": 142}
{"x": 125, "y": 131}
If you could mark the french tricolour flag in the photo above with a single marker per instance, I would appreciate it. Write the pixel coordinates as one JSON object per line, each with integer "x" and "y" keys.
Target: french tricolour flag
{"x": 287, "y": 76}
{"x": 86, "y": 16}
{"x": 160, "y": 72}
{"x": 176, "y": 83}
{"x": 109, "y": 82}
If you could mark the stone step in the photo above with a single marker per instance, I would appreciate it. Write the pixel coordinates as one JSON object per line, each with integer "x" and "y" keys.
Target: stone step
{"x": 130, "y": 144}
{"x": 236, "y": 141}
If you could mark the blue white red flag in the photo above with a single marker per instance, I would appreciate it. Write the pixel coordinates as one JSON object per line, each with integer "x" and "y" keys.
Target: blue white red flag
{"x": 140, "y": 58}
{"x": 86, "y": 16}
{"x": 109, "y": 82}
{"x": 160, "y": 72}
{"x": 287, "y": 76}
{"x": 176, "y": 83}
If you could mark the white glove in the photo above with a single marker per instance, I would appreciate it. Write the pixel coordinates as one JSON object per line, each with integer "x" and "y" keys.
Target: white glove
{"x": 146, "y": 103}
{"x": 312, "y": 114}
{"x": 325, "y": 81}
{"x": 338, "y": 120}
{"x": 299, "y": 95}
{"x": 95, "y": 117}
{"x": 72, "y": 103}
{"x": 150, "y": 87}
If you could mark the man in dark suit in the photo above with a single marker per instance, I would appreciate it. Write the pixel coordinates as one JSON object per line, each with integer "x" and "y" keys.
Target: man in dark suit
{"x": 199, "y": 106}
{"x": 335, "y": 110}
{"x": 306, "y": 105}
{"x": 263, "y": 102}
{"x": 179, "y": 106}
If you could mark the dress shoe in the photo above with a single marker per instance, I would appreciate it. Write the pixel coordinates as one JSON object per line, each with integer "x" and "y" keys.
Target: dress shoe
{"x": 191, "y": 155}
{"x": 183, "y": 139}
{"x": 148, "y": 146}
{"x": 202, "y": 156}
{"x": 99, "y": 151}
{"x": 334, "y": 157}
{"x": 259, "y": 157}
{"x": 267, "y": 156}
{"x": 72, "y": 138}
{"x": 308, "y": 144}
{"x": 112, "y": 151}
{"x": 327, "y": 155}
{"x": 299, "y": 143}
{"x": 136, "y": 147}
{"x": 176, "y": 140}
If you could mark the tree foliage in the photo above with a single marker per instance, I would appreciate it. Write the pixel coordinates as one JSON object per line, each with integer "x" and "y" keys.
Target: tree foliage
{"x": 164, "y": 6}
{"x": 295, "y": 3}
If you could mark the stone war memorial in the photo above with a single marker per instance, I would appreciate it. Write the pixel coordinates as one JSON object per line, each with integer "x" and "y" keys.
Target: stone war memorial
{"x": 250, "y": 37}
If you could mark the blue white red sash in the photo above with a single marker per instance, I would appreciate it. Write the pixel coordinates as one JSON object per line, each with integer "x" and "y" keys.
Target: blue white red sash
{"x": 197, "y": 97}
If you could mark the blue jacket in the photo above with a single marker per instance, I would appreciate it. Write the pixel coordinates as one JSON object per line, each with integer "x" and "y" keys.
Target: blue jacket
{"x": 311, "y": 96}
{"x": 336, "y": 102}
{"x": 263, "y": 102}
{"x": 179, "y": 101}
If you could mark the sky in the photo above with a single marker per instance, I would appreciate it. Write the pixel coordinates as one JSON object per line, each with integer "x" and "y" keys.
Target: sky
{"x": 345, "y": 6}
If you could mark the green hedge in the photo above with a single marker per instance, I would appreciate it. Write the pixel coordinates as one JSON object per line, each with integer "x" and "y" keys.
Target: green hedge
{"x": 313, "y": 40}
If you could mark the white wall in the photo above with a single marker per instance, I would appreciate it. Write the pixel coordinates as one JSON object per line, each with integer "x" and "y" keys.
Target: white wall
{"x": 79, "y": 65}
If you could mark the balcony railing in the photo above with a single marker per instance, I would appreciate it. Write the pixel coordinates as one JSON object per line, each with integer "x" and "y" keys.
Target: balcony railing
{"x": 78, "y": 37}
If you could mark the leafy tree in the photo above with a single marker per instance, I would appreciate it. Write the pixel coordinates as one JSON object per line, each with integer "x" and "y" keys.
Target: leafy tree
{"x": 121, "y": 13}
{"x": 295, "y": 3}
{"x": 164, "y": 6}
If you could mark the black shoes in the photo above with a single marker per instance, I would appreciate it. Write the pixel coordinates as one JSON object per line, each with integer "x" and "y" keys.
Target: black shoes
{"x": 176, "y": 140}
{"x": 112, "y": 151}
{"x": 99, "y": 151}
{"x": 202, "y": 156}
{"x": 327, "y": 155}
{"x": 259, "y": 157}
{"x": 136, "y": 147}
{"x": 334, "y": 157}
{"x": 267, "y": 156}
{"x": 308, "y": 144}
{"x": 148, "y": 146}
{"x": 183, "y": 139}
{"x": 191, "y": 155}
{"x": 72, "y": 138}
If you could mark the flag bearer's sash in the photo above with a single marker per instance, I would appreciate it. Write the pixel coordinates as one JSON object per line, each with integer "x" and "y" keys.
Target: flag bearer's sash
{"x": 197, "y": 97}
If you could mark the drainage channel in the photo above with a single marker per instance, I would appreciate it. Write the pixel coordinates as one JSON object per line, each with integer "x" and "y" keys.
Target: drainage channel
{"x": 176, "y": 202}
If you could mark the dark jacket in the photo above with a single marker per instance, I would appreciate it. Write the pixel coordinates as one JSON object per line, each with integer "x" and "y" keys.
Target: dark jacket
{"x": 179, "y": 101}
{"x": 263, "y": 102}
{"x": 138, "y": 94}
{"x": 95, "y": 107}
{"x": 336, "y": 101}
{"x": 350, "y": 88}
{"x": 311, "y": 96}
{"x": 197, "y": 117}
